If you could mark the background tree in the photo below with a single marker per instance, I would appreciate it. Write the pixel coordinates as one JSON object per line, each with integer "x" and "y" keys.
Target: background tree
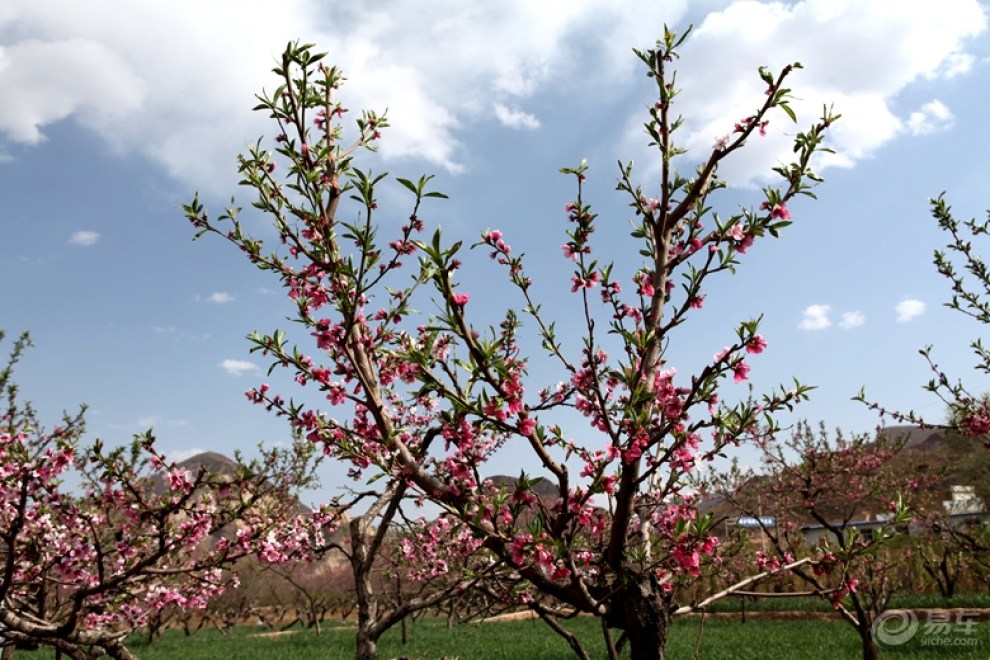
{"x": 83, "y": 567}
{"x": 428, "y": 402}
{"x": 841, "y": 501}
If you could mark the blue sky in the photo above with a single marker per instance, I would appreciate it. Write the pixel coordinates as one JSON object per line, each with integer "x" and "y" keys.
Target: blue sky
{"x": 114, "y": 113}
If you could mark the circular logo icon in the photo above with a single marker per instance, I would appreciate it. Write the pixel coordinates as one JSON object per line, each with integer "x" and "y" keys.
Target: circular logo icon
{"x": 895, "y": 627}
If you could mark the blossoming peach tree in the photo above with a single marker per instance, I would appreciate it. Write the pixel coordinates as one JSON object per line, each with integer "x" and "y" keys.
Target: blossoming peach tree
{"x": 426, "y": 402}
{"x": 839, "y": 502}
{"x": 83, "y": 566}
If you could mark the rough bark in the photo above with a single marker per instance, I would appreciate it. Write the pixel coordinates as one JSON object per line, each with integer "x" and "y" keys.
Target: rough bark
{"x": 643, "y": 611}
{"x": 367, "y": 634}
{"x": 77, "y": 644}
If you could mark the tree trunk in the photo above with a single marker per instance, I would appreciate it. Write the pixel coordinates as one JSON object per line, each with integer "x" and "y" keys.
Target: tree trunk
{"x": 949, "y": 577}
{"x": 870, "y": 650}
{"x": 367, "y": 646}
{"x": 643, "y": 611}
{"x": 367, "y": 600}
{"x": 367, "y": 636}
{"x": 864, "y": 626}
{"x": 405, "y": 619}
{"x": 118, "y": 651}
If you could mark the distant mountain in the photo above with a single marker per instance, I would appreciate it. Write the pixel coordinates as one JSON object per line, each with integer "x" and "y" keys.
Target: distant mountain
{"x": 218, "y": 464}
{"x": 960, "y": 460}
{"x": 545, "y": 489}
{"x": 212, "y": 461}
{"x": 921, "y": 439}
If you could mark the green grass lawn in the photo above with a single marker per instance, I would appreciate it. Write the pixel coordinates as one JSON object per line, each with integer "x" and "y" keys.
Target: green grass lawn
{"x": 722, "y": 639}
{"x": 814, "y": 604}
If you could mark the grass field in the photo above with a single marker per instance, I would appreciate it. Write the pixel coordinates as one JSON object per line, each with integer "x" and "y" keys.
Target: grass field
{"x": 813, "y": 604}
{"x": 723, "y": 638}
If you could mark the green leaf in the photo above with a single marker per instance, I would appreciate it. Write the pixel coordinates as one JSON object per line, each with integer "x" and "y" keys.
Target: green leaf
{"x": 790, "y": 113}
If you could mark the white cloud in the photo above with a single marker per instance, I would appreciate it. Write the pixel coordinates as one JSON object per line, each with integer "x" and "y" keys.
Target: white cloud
{"x": 515, "y": 118}
{"x": 147, "y": 421}
{"x": 238, "y": 367}
{"x": 138, "y": 76}
{"x": 815, "y": 317}
{"x": 909, "y": 309}
{"x": 857, "y": 55}
{"x": 84, "y": 238}
{"x": 957, "y": 64}
{"x": 852, "y": 320}
{"x": 217, "y": 298}
{"x": 43, "y": 81}
{"x": 932, "y": 117}
{"x": 220, "y": 297}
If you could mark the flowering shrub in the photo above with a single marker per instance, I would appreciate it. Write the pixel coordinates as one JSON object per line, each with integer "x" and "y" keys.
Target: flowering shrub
{"x": 426, "y": 402}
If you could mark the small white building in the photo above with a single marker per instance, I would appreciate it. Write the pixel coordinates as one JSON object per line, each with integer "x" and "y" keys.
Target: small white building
{"x": 964, "y": 500}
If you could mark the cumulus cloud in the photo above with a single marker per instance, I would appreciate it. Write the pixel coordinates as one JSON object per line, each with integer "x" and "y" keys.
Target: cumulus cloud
{"x": 858, "y": 56}
{"x": 852, "y": 320}
{"x": 43, "y": 81}
{"x": 443, "y": 71}
{"x": 180, "y": 96}
{"x": 84, "y": 238}
{"x": 815, "y": 317}
{"x": 932, "y": 117}
{"x": 908, "y": 310}
{"x": 515, "y": 118}
{"x": 238, "y": 367}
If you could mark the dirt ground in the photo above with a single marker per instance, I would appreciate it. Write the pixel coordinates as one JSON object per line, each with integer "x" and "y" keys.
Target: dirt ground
{"x": 974, "y": 613}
